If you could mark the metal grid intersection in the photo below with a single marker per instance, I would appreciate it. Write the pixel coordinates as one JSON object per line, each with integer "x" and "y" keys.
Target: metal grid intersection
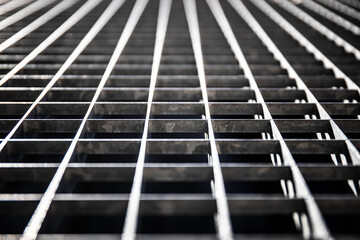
{"x": 179, "y": 119}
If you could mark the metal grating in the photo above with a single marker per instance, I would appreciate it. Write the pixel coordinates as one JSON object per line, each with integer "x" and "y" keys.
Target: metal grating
{"x": 170, "y": 119}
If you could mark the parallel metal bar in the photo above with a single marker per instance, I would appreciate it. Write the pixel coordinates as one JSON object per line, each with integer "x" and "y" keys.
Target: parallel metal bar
{"x": 284, "y": 24}
{"x": 335, "y": 18}
{"x": 246, "y": 15}
{"x": 342, "y": 8}
{"x": 23, "y": 13}
{"x": 77, "y": 51}
{"x": 3, "y": 1}
{"x": 223, "y": 215}
{"x": 353, "y": 3}
{"x": 55, "y": 11}
{"x": 292, "y": 31}
{"x": 320, "y": 229}
{"x": 132, "y": 213}
{"x": 319, "y": 27}
{"x": 37, "y": 218}
{"x": 12, "y": 5}
{"x": 259, "y": 31}
{"x": 75, "y": 18}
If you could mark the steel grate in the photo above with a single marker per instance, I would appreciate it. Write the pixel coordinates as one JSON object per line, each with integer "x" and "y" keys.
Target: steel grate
{"x": 170, "y": 119}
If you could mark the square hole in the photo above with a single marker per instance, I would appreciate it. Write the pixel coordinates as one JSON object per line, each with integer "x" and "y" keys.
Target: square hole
{"x": 48, "y": 135}
{"x": 193, "y": 158}
{"x": 343, "y": 223}
{"x": 245, "y": 158}
{"x": 299, "y": 135}
{"x": 23, "y": 187}
{"x": 105, "y": 158}
{"x": 155, "y": 116}
{"x": 55, "y": 224}
{"x": 288, "y": 116}
{"x": 33, "y": 158}
{"x": 216, "y": 116}
{"x": 177, "y": 187}
{"x": 176, "y": 224}
{"x": 113, "y": 135}
{"x": 177, "y": 135}
{"x": 94, "y": 187}
{"x": 251, "y": 187}
{"x": 330, "y": 187}
{"x": 15, "y": 215}
{"x": 263, "y": 224}
{"x": 239, "y": 135}
{"x": 313, "y": 158}
{"x": 117, "y": 116}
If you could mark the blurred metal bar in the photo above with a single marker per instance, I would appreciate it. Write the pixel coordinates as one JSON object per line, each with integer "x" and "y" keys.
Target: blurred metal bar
{"x": 319, "y": 27}
{"x": 77, "y": 51}
{"x": 320, "y": 229}
{"x": 131, "y": 219}
{"x": 23, "y": 13}
{"x": 311, "y": 5}
{"x": 76, "y": 17}
{"x": 284, "y": 24}
{"x": 37, "y": 218}
{"x": 223, "y": 216}
{"x": 56, "y": 10}
{"x": 246, "y": 15}
{"x": 12, "y": 5}
{"x": 341, "y": 8}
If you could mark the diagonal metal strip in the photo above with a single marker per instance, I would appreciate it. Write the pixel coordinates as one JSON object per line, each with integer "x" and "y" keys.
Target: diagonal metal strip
{"x": 23, "y": 13}
{"x": 342, "y": 8}
{"x": 46, "y": 17}
{"x": 12, "y": 5}
{"x": 284, "y": 24}
{"x": 259, "y": 31}
{"x": 355, "y": 156}
{"x": 335, "y": 18}
{"x": 131, "y": 218}
{"x": 75, "y": 18}
{"x": 36, "y": 220}
{"x": 303, "y": 16}
{"x": 223, "y": 215}
{"x": 77, "y": 51}
{"x": 320, "y": 229}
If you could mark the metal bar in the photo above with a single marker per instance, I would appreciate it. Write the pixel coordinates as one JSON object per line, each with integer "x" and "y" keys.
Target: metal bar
{"x": 75, "y": 18}
{"x": 341, "y": 8}
{"x": 319, "y": 56}
{"x": 259, "y": 31}
{"x": 12, "y": 5}
{"x": 36, "y": 220}
{"x": 223, "y": 216}
{"x": 354, "y": 154}
{"x": 3, "y": 1}
{"x": 55, "y": 11}
{"x": 131, "y": 218}
{"x": 303, "y": 16}
{"x": 23, "y": 13}
{"x": 352, "y": 3}
{"x": 320, "y": 229}
{"x": 335, "y": 18}
{"x": 77, "y": 51}
{"x": 284, "y": 24}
